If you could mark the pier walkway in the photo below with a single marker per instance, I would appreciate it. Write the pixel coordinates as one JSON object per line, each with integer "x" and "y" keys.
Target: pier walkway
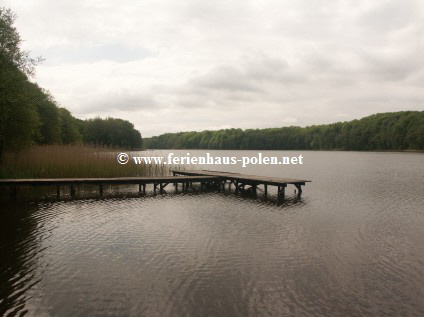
{"x": 240, "y": 181}
{"x": 186, "y": 178}
{"x": 158, "y": 181}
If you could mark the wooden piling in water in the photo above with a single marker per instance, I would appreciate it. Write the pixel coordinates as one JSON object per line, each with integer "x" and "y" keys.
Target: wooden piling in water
{"x": 72, "y": 191}
{"x": 13, "y": 193}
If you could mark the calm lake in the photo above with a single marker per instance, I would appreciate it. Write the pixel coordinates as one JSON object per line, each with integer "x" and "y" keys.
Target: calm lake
{"x": 352, "y": 246}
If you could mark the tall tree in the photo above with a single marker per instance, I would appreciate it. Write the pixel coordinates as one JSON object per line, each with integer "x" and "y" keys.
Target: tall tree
{"x": 18, "y": 114}
{"x": 10, "y": 44}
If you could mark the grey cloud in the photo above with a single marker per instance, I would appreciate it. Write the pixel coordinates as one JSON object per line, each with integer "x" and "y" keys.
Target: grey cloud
{"x": 392, "y": 68}
{"x": 273, "y": 70}
{"x": 225, "y": 78}
{"x": 116, "y": 52}
{"x": 389, "y": 15}
{"x": 123, "y": 100}
{"x": 316, "y": 79}
{"x": 250, "y": 76}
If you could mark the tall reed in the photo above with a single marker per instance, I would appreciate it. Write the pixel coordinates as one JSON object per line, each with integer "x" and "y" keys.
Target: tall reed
{"x": 71, "y": 161}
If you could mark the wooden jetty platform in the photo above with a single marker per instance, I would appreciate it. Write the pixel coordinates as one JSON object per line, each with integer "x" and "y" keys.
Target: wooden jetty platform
{"x": 186, "y": 178}
{"x": 160, "y": 181}
{"x": 240, "y": 181}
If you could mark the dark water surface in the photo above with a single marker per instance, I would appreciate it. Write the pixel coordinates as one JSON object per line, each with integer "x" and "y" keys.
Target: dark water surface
{"x": 353, "y": 246}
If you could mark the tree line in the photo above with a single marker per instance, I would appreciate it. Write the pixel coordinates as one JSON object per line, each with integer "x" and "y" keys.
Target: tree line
{"x": 402, "y": 130}
{"x": 29, "y": 114}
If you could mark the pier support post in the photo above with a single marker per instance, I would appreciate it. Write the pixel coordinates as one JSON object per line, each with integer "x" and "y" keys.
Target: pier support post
{"x": 58, "y": 191}
{"x": 281, "y": 192}
{"x": 73, "y": 191}
{"x": 162, "y": 186}
{"x": 101, "y": 190}
{"x": 266, "y": 191}
{"x": 299, "y": 188}
{"x": 13, "y": 193}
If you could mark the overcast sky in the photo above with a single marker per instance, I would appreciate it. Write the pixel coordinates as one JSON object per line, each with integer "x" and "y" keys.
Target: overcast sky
{"x": 177, "y": 65}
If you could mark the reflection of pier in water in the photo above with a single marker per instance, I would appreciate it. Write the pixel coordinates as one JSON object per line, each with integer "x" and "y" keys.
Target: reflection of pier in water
{"x": 206, "y": 179}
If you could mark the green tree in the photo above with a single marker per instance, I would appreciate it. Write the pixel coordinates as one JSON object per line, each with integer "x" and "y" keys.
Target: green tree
{"x": 70, "y": 131}
{"x": 111, "y": 132}
{"x": 19, "y": 120}
{"x": 10, "y": 44}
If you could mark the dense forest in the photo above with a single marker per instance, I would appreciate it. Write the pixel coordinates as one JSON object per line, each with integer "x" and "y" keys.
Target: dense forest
{"x": 384, "y": 131}
{"x": 29, "y": 115}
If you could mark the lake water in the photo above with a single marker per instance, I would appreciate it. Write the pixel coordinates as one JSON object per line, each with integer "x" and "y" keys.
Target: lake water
{"x": 352, "y": 246}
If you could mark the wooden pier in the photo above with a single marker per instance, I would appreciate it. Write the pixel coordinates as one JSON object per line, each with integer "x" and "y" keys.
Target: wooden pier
{"x": 240, "y": 181}
{"x": 186, "y": 178}
{"x": 158, "y": 182}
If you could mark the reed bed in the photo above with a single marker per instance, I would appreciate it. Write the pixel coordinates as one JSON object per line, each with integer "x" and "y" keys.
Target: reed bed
{"x": 73, "y": 161}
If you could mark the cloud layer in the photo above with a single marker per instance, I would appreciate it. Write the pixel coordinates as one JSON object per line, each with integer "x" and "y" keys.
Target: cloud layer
{"x": 192, "y": 65}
